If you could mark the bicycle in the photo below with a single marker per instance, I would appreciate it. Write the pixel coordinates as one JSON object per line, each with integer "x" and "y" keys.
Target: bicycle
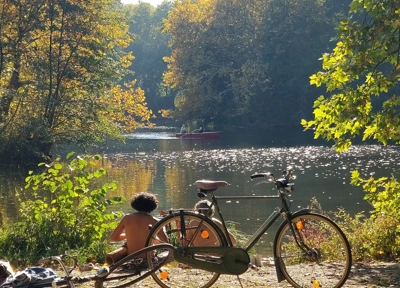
{"x": 124, "y": 273}
{"x": 309, "y": 249}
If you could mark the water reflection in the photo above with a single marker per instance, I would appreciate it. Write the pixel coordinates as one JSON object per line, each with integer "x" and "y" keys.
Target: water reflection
{"x": 11, "y": 181}
{"x": 168, "y": 167}
{"x": 151, "y": 135}
{"x": 322, "y": 173}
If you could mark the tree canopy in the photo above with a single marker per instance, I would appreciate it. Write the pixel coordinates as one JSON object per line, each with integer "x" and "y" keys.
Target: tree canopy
{"x": 215, "y": 57}
{"x": 241, "y": 62}
{"x": 60, "y": 63}
{"x": 361, "y": 76}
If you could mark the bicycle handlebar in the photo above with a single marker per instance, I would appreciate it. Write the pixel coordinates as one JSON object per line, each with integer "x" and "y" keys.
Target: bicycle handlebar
{"x": 281, "y": 183}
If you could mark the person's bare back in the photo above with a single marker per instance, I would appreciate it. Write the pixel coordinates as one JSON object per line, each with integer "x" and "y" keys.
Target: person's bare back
{"x": 134, "y": 228}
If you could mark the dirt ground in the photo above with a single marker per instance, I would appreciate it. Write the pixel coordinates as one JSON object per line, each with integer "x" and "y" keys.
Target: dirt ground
{"x": 378, "y": 275}
{"x": 361, "y": 276}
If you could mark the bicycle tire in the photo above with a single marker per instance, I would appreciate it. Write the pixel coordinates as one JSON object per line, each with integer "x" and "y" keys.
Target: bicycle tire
{"x": 119, "y": 276}
{"x": 167, "y": 277}
{"x": 325, "y": 260}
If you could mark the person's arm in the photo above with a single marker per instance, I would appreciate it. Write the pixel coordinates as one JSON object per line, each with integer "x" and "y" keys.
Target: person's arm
{"x": 119, "y": 233}
{"x": 163, "y": 237}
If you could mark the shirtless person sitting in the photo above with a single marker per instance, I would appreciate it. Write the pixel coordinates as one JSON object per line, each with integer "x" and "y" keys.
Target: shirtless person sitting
{"x": 135, "y": 227}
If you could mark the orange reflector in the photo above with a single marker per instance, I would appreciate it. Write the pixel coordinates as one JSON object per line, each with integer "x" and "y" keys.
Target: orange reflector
{"x": 300, "y": 225}
{"x": 205, "y": 234}
{"x": 164, "y": 275}
{"x": 316, "y": 284}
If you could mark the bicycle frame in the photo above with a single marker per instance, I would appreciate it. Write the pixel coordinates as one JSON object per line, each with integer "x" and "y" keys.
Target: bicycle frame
{"x": 306, "y": 245}
{"x": 187, "y": 255}
{"x": 261, "y": 230}
{"x": 282, "y": 212}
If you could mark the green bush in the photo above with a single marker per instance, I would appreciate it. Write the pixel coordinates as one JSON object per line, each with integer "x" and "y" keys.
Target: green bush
{"x": 383, "y": 193}
{"x": 371, "y": 238}
{"x": 63, "y": 208}
{"x": 381, "y": 230}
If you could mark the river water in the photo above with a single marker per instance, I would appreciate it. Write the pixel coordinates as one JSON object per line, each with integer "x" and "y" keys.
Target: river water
{"x": 156, "y": 161}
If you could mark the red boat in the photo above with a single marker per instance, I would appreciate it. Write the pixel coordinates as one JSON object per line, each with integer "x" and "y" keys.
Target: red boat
{"x": 204, "y": 135}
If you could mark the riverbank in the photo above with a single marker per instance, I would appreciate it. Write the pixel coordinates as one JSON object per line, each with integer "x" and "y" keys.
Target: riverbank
{"x": 363, "y": 275}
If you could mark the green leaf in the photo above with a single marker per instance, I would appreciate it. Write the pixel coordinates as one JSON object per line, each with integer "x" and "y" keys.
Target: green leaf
{"x": 97, "y": 157}
{"x": 69, "y": 155}
{"x": 79, "y": 191}
{"x": 99, "y": 173}
{"x": 58, "y": 166}
{"x": 112, "y": 185}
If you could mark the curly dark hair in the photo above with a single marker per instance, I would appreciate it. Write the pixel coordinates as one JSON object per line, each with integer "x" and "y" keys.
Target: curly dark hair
{"x": 144, "y": 201}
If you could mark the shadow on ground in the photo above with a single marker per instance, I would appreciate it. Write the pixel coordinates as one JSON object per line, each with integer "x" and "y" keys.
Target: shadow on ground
{"x": 374, "y": 275}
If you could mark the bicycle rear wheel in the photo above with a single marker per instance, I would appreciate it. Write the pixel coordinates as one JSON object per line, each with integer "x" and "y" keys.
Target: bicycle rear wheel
{"x": 136, "y": 266}
{"x": 316, "y": 255}
{"x": 207, "y": 234}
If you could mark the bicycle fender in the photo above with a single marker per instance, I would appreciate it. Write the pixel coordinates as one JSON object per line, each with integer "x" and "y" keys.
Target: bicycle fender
{"x": 300, "y": 212}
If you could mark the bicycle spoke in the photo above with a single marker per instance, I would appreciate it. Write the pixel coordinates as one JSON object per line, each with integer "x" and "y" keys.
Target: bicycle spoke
{"x": 320, "y": 257}
{"x": 137, "y": 266}
{"x": 177, "y": 274}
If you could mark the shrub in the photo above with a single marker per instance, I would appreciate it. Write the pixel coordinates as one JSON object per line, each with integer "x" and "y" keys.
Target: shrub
{"x": 65, "y": 210}
{"x": 383, "y": 193}
{"x": 371, "y": 238}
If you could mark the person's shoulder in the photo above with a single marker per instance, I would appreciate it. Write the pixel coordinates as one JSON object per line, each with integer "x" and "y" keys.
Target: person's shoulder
{"x": 125, "y": 219}
{"x": 127, "y": 216}
{"x": 134, "y": 217}
{"x": 142, "y": 215}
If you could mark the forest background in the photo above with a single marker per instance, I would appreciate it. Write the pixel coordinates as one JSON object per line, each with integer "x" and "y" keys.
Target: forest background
{"x": 77, "y": 73}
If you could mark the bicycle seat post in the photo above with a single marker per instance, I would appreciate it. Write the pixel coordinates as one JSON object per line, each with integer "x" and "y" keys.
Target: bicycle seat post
{"x": 218, "y": 211}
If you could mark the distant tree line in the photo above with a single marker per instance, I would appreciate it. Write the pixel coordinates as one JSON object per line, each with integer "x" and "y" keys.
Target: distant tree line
{"x": 232, "y": 62}
{"x": 66, "y": 73}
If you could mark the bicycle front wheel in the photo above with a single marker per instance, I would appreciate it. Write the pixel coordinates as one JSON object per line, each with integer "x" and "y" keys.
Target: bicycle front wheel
{"x": 312, "y": 251}
{"x": 136, "y": 266}
{"x": 178, "y": 229}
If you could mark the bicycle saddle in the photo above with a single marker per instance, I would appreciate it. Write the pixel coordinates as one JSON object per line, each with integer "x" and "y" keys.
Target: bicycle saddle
{"x": 209, "y": 184}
